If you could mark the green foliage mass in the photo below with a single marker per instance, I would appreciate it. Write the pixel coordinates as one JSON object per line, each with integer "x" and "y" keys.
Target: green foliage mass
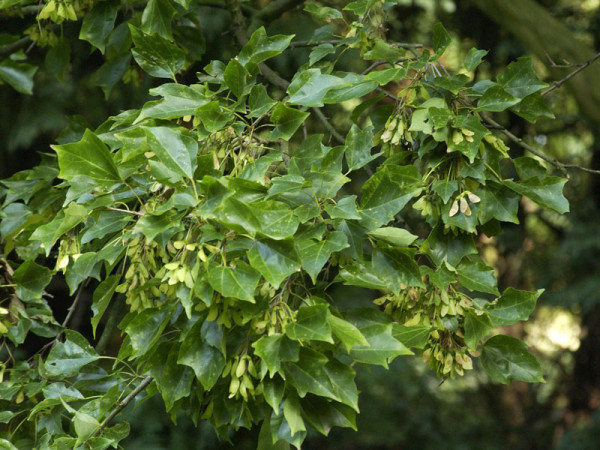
{"x": 220, "y": 226}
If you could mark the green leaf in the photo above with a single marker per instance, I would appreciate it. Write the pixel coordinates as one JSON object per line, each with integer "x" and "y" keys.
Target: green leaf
{"x": 293, "y": 413}
{"x": 445, "y": 189}
{"x": 341, "y": 377}
{"x": 397, "y": 269}
{"x": 13, "y": 216}
{"x": 308, "y": 88}
{"x": 174, "y": 149}
{"x": 398, "y": 237}
{"x": 85, "y": 266}
{"x": 104, "y": 223}
{"x": 213, "y": 116}
{"x": 546, "y": 192}
{"x": 383, "y": 77}
{"x": 496, "y": 99}
{"x": 448, "y": 247}
{"x": 315, "y": 254}
{"x": 382, "y": 348}
{"x": 359, "y": 7}
{"x": 89, "y": 157}
{"x": 532, "y": 108}
{"x": 99, "y": 22}
{"x": 386, "y": 193}
{"x": 512, "y": 306}
{"x": 206, "y": 360}
{"x": 66, "y": 358}
{"x": 320, "y": 52}
{"x": 441, "y": 39}
{"x": 146, "y": 327}
{"x": 347, "y": 333}
{"x": 174, "y": 381}
{"x": 345, "y": 208}
{"x": 497, "y": 203}
{"x": 235, "y": 77}
{"x": 308, "y": 375}
{"x": 323, "y": 13}
{"x": 358, "y": 147}
{"x": 311, "y": 324}
{"x": 474, "y": 58}
{"x": 18, "y": 75}
{"x": 411, "y": 336}
{"x": 382, "y": 50}
{"x": 469, "y": 149}
{"x": 238, "y": 280}
{"x": 156, "y": 55}
{"x": 287, "y": 121}
{"x": 177, "y": 101}
{"x": 260, "y": 47}
{"x": 519, "y": 78}
{"x": 453, "y": 83}
{"x": 275, "y": 349}
{"x": 476, "y": 276}
{"x": 506, "y": 359}
{"x": 31, "y": 279}
{"x": 58, "y": 58}
{"x": 275, "y": 260}
{"x": 363, "y": 276}
{"x": 323, "y": 415}
{"x": 47, "y": 234}
{"x": 259, "y": 101}
{"x": 157, "y": 18}
{"x": 476, "y": 326}
{"x": 101, "y": 299}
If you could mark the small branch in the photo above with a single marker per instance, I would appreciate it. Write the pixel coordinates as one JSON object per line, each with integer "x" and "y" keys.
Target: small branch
{"x": 73, "y": 306}
{"x": 558, "y": 84}
{"x": 532, "y": 150}
{"x": 6, "y": 50}
{"x": 237, "y": 21}
{"x": 116, "y": 314}
{"x": 126, "y": 211}
{"x": 143, "y": 385}
{"x": 338, "y": 137}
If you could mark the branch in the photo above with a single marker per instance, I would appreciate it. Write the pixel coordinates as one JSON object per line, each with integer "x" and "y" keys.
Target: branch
{"x": 338, "y": 137}
{"x": 530, "y": 149}
{"x": 17, "y": 45}
{"x": 558, "y": 84}
{"x": 143, "y": 385}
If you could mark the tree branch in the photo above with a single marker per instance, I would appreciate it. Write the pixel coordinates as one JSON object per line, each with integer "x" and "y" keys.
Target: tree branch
{"x": 558, "y": 84}
{"x": 143, "y": 385}
{"x": 530, "y": 149}
{"x": 6, "y": 50}
{"x": 272, "y": 11}
{"x": 338, "y": 137}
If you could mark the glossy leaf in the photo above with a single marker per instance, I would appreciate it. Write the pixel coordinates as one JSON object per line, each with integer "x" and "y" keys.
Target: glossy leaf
{"x": 314, "y": 254}
{"x": 312, "y": 323}
{"x": 506, "y": 359}
{"x": 275, "y": 260}
{"x": 398, "y": 237}
{"x": 286, "y": 120}
{"x": 68, "y": 357}
{"x": 90, "y": 158}
{"x": 513, "y": 305}
{"x": 31, "y": 279}
{"x": 477, "y": 325}
{"x": 519, "y": 78}
{"x": 382, "y": 348}
{"x": 476, "y": 276}
{"x": 238, "y": 280}
{"x": 99, "y": 22}
{"x": 156, "y": 55}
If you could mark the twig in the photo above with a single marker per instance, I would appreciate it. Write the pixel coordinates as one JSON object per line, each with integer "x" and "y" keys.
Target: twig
{"x": 530, "y": 149}
{"x": 126, "y": 211}
{"x": 143, "y": 385}
{"x": 338, "y": 137}
{"x": 295, "y": 44}
{"x": 73, "y": 306}
{"x": 558, "y": 84}
{"x": 17, "y": 45}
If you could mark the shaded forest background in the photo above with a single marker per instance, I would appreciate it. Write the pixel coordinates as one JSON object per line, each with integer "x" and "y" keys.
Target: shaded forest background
{"x": 406, "y": 407}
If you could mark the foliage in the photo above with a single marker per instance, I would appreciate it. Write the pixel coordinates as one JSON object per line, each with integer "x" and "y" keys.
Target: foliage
{"x": 220, "y": 231}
